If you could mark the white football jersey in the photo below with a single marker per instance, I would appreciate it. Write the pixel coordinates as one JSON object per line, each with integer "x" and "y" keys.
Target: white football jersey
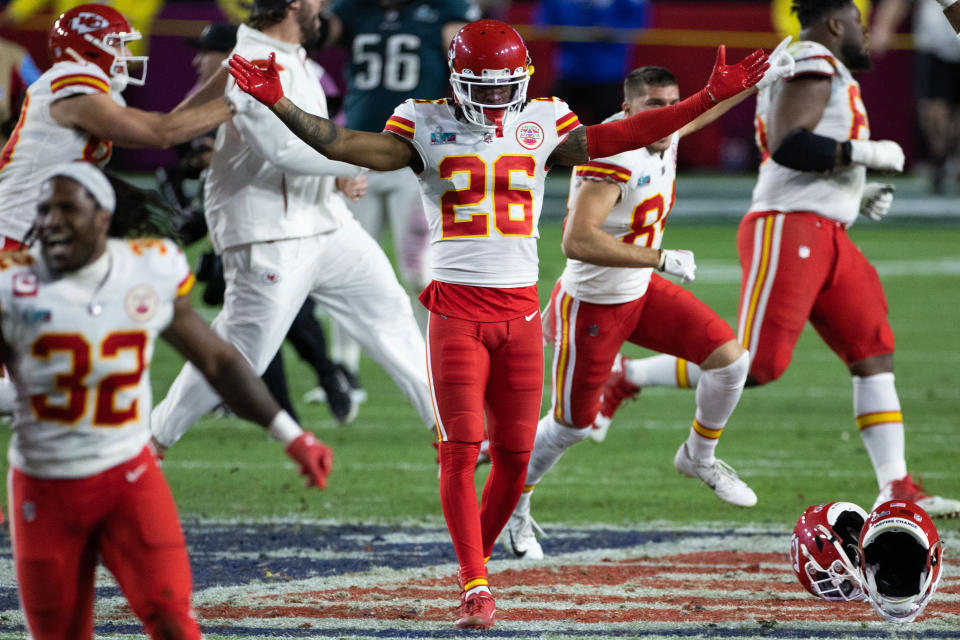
{"x": 834, "y": 194}
{"x": 482, "y": 193}
{"x": 38, "y": 142}
{"x": 80, "y": 348}
{"x": 647, "y": 193}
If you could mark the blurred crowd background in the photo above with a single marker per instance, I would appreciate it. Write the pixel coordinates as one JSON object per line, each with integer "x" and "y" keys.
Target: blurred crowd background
{"x": 581, "y": 50}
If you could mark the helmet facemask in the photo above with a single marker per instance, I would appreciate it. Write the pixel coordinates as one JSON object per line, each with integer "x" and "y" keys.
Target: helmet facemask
{"x": 468, "y": 90}
{"x": 840, "y": 580}
{"x": 114, "y": 45}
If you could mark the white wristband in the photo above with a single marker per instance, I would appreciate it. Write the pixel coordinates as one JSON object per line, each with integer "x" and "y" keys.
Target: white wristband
{"x": 946, "y": 4}
{"x": 284, "y": 428}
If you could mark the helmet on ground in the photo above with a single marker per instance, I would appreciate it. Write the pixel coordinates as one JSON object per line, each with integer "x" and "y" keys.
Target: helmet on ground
{"x": 483, "y": 56}
{"x": 97, "y": 34}
{"x": 901, "y": 558}
{"x": 823, "y": 550}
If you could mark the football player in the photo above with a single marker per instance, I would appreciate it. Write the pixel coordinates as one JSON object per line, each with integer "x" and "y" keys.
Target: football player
{"x": 397, "y": 51}
{"x": 75, "y": 111}
{"x": 798, "y": 262}
{"x": 609, "y": 294}
{"x": 481, "y": 159}
{"x": 80, "y": 316}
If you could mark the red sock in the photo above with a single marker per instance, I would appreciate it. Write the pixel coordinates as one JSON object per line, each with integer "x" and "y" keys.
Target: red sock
{"x": 458, "y": 498}
{"x": 508, "y": 470}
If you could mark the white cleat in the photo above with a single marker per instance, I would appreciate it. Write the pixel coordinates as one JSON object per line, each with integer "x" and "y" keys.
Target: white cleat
{"x": 717, "y": 475}
{"x": 520, "y": 537}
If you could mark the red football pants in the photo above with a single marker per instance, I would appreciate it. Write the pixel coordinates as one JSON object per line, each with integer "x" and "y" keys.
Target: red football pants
{"x": 667, "y": 318}
{"x": 798, "y": 266}
{"x": 127, "y": 516}
{"x": 477, "y": 369}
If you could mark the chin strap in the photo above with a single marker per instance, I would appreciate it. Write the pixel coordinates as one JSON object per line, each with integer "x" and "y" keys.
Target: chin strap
{"x": 496, "y": 117}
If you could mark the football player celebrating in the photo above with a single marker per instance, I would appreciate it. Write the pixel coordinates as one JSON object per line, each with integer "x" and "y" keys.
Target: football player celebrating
{"x": 80, "y": 315}
{"x": 798, "y": 262}
{"x": 481, "y": 160}
{"x": 75, "y": 111}
{"x": 608, "y": 295}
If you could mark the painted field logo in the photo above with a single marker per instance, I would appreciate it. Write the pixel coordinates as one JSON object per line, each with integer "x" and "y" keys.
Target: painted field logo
{"x": 530, "y": 135}
{"x": 322, "y": 580}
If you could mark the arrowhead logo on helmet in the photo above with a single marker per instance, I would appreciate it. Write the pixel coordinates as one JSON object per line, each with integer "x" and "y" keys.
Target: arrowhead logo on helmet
{"x": 489, "y": 71}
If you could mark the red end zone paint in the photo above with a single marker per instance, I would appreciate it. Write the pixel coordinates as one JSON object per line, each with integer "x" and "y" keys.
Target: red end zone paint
{"x": 705, "y": 587}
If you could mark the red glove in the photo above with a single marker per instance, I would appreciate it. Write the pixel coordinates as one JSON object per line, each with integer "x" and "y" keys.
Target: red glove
{"x": 314, "y": 457}
{"x": 263, "y": 83}
{"x": 727, "y": 81}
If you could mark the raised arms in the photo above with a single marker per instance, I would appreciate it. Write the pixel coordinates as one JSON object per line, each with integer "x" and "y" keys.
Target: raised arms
{"x": 377, "y": 151}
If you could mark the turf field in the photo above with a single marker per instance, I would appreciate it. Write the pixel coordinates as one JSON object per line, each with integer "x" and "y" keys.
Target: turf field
{"x": 635, "y": 550}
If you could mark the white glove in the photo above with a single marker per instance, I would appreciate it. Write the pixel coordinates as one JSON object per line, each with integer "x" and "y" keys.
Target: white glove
{"x": 781, "y": 65}
{"x": 883, "y": 155}
{"x": 876, "y": 201}
{"x": 678, "y": 262}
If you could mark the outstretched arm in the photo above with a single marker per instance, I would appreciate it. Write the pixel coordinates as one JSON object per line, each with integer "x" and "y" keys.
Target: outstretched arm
{"x": 377, "y": 151}
{"x": 646, "y": 127}
{"x": 230, "y": 375}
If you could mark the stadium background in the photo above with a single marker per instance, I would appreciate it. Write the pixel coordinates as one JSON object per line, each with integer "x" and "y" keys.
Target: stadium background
{"x": 271, "y": 560}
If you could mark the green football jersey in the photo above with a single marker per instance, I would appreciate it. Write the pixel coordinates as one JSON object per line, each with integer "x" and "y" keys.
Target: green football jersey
{"x": 395, "y": 53}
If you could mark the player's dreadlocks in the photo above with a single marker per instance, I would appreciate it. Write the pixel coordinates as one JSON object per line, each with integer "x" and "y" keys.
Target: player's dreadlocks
{"x": 637, "y": 81}
{"x": 809, "y": 11}
{"x": 139, "y": 213}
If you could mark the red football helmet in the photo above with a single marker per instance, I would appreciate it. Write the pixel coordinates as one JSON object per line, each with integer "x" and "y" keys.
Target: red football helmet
{"x": 823, "y": 551}
{"x": 95, "y": 33}
{"x": 901, "y": 558}
{"x": 486, "y": 55}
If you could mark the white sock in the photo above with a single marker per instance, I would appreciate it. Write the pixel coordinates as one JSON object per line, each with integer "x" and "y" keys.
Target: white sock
{"x": 717, "y": 395}
{"x": 876, "y": 408}
{"x": 552, "y": 440}
{"x": 523, "y": 504}
{"x": 663, "y": 371}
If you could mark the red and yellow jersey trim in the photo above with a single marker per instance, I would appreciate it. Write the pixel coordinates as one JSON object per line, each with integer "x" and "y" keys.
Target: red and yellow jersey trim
{"x": 567, "y": 123}
{"x": 603, "y": 171}
{"x": 79, "y": 80}
{"x": 400, "y": 126}
{"x": 186, "y": 285}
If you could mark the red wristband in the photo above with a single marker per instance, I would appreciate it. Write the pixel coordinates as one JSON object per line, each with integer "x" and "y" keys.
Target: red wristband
{"x": 646, "y": 127}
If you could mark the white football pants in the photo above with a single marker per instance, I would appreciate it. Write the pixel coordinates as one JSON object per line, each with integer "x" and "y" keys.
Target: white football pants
{"x": 347, "y": 273}
{"x": 393, "y": 197}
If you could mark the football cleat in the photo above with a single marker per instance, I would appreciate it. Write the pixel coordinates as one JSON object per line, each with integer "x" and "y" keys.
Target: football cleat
{"x": 358, "y": 394}
{"x": 338, "y": 395}
{"x": 717, "y": 475}
{"x": 615, "y": 390}
{"x": 476, "y": 611}
{"x": 909, "y": 490}
{"x": 520, "y": 537}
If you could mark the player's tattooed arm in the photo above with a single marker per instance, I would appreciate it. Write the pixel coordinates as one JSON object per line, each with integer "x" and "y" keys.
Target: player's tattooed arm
{"x": 572, "y": 151}
{"x": 376, "y": 151}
